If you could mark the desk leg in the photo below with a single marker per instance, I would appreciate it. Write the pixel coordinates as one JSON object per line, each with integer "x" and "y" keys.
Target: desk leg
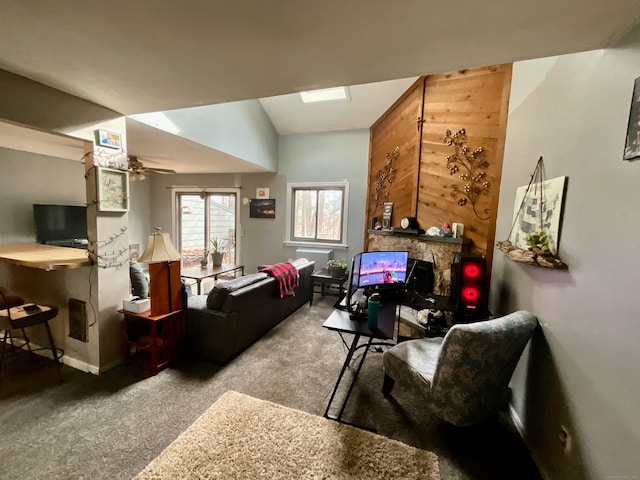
{"x": 199, "y": 281}
{"x": 352, "y": 349}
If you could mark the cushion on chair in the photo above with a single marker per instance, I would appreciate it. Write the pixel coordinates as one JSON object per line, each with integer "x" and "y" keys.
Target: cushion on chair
{"x": 413, "y": 361}
{"x": 219, "y": 293}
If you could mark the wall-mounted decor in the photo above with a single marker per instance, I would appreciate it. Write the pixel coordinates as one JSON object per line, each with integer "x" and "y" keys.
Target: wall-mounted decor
{"x": 108, "y": 139}
{"x": 632, "y": 145}
{"x": 384, "y": 178}
{"x": 262, "y": 208}
{"x": 471, "y": 164}
{"x": 262, "y": 192}
{"x": 537, "y": 216}
{"x": 112, "y": 189}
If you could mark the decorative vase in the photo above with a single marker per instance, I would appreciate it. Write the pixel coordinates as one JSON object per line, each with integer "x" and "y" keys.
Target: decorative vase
{"x": 216, "y": 258}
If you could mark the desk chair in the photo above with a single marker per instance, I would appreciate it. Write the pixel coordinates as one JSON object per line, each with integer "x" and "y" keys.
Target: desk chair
{"x": 17, "y": 317}
{"x": 464, "y": 377}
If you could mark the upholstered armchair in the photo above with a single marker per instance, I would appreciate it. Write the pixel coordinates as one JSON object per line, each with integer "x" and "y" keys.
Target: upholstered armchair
{"x": 464, "y": 377}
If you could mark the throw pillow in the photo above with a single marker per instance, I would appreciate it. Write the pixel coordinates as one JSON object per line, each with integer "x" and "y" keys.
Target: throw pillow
{"x": 219, "y": 293}
{"x": 139, "y": 283}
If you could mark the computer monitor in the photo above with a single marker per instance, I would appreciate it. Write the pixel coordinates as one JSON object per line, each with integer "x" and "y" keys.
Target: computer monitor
{"x": 354, "y": 284}
{"x": 383, "y": 271}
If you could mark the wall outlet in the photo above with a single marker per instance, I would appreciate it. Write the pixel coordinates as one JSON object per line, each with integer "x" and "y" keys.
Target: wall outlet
{"x": 565, "y": 439}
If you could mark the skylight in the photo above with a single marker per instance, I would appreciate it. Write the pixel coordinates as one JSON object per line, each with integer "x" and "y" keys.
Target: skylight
{"x": 336, "y": 94}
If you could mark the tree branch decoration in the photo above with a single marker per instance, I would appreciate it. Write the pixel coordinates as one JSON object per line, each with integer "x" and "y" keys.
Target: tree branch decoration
{"x": 472, "y": 164}
{"x": 385, "y": 178}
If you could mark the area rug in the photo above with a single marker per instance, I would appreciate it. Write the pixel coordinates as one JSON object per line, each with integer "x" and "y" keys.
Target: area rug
{"x": 241, "y": 437}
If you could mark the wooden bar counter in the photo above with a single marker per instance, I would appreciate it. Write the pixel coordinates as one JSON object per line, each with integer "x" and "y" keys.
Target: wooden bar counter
{"x": 44, "y": 257}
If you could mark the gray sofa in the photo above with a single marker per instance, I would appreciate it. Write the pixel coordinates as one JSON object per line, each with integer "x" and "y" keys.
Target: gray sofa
{"x": 235, "y": 314}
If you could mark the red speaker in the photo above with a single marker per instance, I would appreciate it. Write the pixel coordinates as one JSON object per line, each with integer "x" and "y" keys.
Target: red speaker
{"x": 468, "y": 276}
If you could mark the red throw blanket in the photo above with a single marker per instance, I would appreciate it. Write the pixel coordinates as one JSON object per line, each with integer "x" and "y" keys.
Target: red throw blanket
{"x": 286, "y": 275}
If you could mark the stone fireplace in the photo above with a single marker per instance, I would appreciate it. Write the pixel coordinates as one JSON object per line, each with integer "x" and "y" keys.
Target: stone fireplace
{"x": 437, "y": 250}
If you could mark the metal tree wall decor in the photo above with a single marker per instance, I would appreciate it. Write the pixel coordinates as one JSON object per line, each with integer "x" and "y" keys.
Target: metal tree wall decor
{"x": 471, "y": 164}
{"x": 384, "y": 178}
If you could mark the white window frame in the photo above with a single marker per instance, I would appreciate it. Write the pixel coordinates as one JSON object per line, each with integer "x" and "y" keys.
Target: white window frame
{"x": 345, "y": 214}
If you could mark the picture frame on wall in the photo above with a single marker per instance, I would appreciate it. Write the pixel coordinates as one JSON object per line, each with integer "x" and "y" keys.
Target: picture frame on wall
{"x": 632, "y": 144}
{"x": 112, "y": 189}
{"x": 262, "y": 208}
{"x": 108, "y": 139}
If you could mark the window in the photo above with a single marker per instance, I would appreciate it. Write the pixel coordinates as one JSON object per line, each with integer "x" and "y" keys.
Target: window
{"x": 317, "y": 213}
{"x": 202, "y": 217}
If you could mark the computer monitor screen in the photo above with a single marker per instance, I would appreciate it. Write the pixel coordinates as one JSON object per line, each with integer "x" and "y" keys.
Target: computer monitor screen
{"x": 383, "y": 269}
{"x": 354, "y": 283}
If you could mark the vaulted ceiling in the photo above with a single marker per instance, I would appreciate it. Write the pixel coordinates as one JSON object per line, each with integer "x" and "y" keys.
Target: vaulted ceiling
{"x": 153, "y": 55}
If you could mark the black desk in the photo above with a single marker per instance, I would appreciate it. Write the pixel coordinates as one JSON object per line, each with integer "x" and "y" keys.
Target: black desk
{"x": 340, "y": 322}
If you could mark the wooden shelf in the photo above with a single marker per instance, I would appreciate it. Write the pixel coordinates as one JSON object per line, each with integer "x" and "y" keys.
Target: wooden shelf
{"x": 44, "y": 257}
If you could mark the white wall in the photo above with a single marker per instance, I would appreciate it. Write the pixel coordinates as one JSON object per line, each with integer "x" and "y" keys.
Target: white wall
{"x": 582, "y": 368}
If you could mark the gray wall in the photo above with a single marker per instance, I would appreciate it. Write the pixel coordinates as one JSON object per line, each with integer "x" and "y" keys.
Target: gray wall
{"x": 241, "y": 129}
{"x": 27, "y": 179}
{"x": 321, "y": 157}
{"x": 581, "y": 370}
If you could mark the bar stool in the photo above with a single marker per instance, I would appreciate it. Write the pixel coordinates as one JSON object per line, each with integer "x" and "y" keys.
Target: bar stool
{"x": 23, "y": 316}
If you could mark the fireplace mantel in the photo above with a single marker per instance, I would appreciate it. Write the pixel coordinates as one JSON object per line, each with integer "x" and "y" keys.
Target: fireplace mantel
{"x": 437, "y": 250}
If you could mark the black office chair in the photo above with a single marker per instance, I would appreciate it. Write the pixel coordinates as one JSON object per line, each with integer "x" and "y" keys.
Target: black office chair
{"x": 14, "y": 315}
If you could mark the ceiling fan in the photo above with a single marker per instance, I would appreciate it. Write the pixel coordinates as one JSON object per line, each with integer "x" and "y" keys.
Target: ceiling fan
{"x": 137, "y": 170}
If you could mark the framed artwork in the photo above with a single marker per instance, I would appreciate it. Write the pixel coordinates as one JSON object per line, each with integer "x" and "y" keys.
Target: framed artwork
{"x": 112, "y": 189}
{"x": 262, "y": 193}
{"x": 632, "y": 145}
{"x": 108, "y": 139}
{"x": 262, "y": 208}
{"x": 542, "y": 210}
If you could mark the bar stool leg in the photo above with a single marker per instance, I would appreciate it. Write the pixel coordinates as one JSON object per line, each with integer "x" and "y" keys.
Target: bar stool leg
{"x": 53, "y": 349}
{"x": 4, "y": 344}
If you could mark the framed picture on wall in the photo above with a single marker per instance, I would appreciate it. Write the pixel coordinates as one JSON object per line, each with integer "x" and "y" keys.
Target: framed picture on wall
{"x": 632, "y": 145}
{"x": 262, "y": 208}
{"x": 112, "y": 189}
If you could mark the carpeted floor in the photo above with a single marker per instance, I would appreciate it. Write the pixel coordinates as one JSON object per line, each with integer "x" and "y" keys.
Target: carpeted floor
{"x": 242, "y": 437}
{"x": 111, "y": 426}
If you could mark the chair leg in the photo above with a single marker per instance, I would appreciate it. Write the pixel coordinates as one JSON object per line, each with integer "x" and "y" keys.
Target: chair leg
{"x": 4, "y": 344}
{"x": 53, "y": 349}
{"x": 387, "y": 384}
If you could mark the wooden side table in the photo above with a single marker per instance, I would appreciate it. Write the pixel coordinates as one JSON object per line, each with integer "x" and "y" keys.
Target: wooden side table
{"x": 152, "y": 342}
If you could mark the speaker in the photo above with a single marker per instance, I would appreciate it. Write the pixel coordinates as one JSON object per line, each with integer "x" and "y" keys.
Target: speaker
{"x": 468, "y": 282}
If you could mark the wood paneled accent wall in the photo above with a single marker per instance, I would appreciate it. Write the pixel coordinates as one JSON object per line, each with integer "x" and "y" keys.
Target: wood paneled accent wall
{"x": 476, "y": 100}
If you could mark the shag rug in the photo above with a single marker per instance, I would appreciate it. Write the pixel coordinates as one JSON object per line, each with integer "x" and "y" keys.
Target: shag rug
{"x": 241, "y": 437}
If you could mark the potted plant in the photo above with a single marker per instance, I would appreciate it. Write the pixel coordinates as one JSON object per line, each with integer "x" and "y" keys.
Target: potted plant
{"x": 216, "y": 252}
{"x": 337, "y": 267}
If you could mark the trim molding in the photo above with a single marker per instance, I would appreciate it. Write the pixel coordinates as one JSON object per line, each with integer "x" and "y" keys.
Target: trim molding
{"x": 517, "y": 422}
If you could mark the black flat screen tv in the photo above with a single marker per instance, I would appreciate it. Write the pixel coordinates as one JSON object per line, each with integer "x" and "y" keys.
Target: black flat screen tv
{"x": 60, "y": 224}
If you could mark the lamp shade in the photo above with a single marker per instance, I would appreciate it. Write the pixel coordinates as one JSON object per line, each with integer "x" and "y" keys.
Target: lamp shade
{"x": 159, "y": 249}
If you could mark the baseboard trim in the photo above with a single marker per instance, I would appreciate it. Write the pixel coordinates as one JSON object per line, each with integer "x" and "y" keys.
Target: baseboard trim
{"x": 65, "y": 359}
{"x": 517, "y": 422}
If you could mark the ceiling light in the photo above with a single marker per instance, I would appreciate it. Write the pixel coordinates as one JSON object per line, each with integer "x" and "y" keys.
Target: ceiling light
{"x": 336, "y": 94}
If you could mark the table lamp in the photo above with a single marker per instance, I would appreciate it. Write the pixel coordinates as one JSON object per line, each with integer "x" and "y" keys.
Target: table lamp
{"x": 164, "y": 277}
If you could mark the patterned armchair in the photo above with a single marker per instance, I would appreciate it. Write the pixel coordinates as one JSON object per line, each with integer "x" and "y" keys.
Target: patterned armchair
{"x": 465, "y": 376}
